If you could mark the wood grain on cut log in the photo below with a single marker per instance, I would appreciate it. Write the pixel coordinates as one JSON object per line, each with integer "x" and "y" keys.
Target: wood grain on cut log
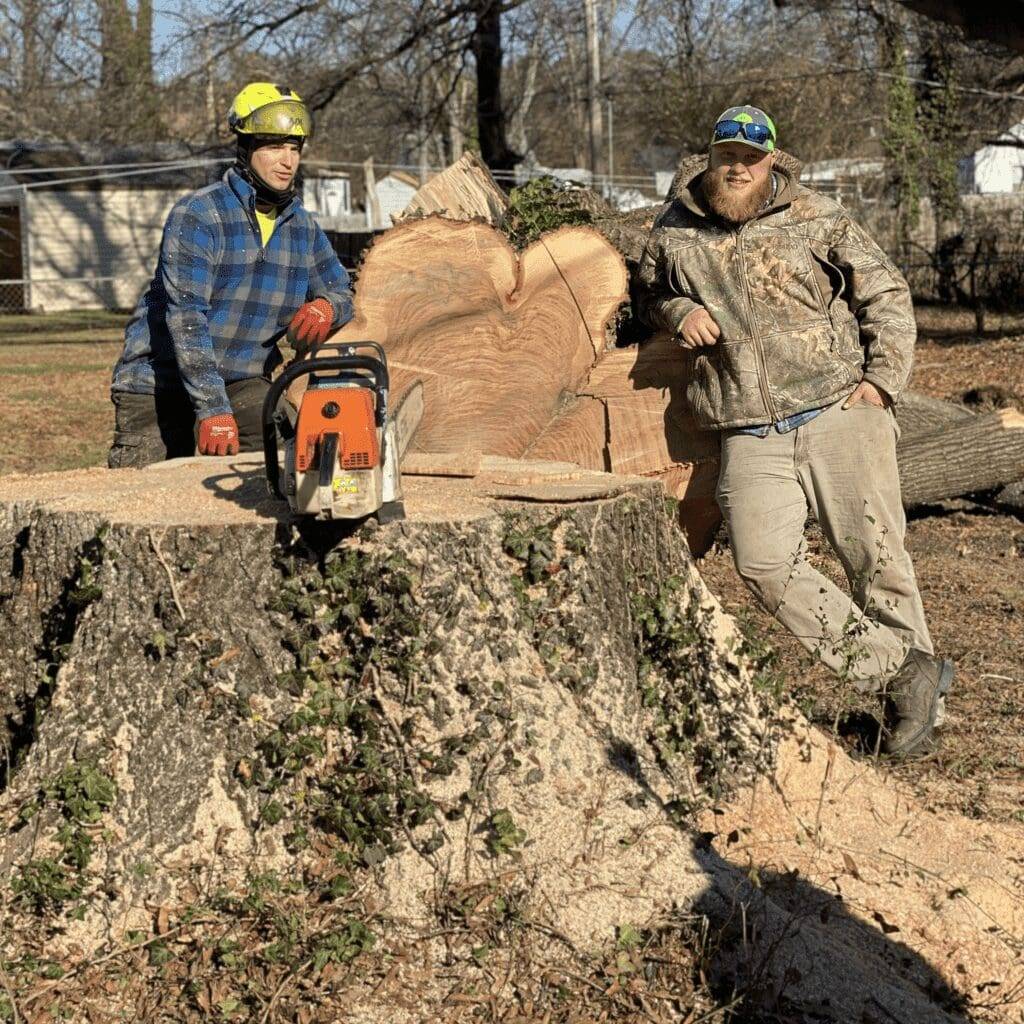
{"x": 982, "y": 453}
{"x": 500, "y": 341}
{"x": 513, "y": 355}
{"x": 463, "y": 191}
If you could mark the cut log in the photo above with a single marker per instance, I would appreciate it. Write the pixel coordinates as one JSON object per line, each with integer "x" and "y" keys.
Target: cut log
{"x": 921, "y": 414}
{"x": 514, "y": 355}
{"x": 464, "y": 191}
{"x": 499, "y": 340}
{"x": 982, "y": 453}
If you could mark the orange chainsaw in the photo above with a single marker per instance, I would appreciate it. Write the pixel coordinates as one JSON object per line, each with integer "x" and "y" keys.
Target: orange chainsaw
{"x": 343, "y": 450}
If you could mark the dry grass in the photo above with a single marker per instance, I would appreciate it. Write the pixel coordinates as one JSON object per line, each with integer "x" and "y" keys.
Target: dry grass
{"x": 56, "y": 406}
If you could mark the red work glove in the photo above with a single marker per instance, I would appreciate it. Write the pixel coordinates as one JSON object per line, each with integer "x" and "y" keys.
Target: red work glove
{"x": 310, "y": 325}
{"x": 218, "y": 435}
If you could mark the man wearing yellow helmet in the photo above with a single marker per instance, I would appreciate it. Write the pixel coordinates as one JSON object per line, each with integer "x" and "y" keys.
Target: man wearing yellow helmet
{"x": 242, "y": 264}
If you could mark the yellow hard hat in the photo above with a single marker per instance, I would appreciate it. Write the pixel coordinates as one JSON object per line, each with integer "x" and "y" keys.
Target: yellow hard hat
{"x": 262, "y": 108}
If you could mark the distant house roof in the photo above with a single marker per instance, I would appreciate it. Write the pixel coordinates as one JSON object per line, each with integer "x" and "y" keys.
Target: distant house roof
{"x": 171, "y": 164}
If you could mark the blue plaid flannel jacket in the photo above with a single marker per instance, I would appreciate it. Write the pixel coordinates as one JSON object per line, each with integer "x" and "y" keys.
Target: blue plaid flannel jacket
{"x": 220, "y": 300}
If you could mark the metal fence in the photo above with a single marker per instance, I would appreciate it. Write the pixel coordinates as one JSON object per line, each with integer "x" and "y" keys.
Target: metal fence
{"x": 63, "y": 294}
{"x": 12, "y": 297}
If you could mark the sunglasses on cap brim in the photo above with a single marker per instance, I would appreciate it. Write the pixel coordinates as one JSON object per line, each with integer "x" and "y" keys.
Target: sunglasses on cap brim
{"x": 759, "y": 134}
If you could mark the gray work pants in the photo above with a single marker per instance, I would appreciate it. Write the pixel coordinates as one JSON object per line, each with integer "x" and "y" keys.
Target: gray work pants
{"x": 841, "y": 465}
{"x": 153, "y": 428}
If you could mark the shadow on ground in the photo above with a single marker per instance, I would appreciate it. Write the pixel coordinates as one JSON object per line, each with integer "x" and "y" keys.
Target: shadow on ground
{"x": 773, "y": 947}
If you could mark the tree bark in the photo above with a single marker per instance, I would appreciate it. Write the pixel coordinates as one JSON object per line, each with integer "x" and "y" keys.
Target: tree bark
{"x": 983, "y": 453}
{"x": 490, "y": 111}
{"x": 166, "y": 625}
{"x": 922, "y": 414}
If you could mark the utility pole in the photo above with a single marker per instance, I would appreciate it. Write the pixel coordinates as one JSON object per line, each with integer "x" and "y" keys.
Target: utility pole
{"x": 212, "y": 118}
{"x": 609, "y": 95}
{"x": 593, "y": 85}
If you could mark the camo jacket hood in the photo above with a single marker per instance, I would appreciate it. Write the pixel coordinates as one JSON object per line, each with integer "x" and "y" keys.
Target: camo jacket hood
{"x": 808, "y": 305}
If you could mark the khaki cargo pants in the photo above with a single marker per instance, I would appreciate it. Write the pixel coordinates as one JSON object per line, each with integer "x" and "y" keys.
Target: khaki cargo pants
{"x": 842, "y": 466}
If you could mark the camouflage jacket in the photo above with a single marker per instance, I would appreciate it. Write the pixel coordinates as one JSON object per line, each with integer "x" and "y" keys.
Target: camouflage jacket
{"x": 808, "y": 305}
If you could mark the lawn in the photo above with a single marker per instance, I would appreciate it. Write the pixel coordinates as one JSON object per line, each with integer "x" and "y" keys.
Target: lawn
{"x": 55, "y": 408}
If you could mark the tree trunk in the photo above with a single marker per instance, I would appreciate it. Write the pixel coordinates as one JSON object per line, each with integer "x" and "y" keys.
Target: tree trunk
{"x": 490, "y": 111}
{"x": 516, "y": 357}
{"x": 595, "y": 126}
{"x": 167, "y": 626}
{"x": 921, "y": 414}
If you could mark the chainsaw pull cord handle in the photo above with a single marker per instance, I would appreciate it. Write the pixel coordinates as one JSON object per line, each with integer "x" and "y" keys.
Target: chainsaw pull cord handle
{"x": 307, "y": 367}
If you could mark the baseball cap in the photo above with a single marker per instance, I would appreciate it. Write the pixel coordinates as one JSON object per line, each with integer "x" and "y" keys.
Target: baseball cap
{"x": 746, "y": 124}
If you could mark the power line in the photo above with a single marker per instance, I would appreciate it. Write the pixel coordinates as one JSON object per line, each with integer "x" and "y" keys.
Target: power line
{"x": 174, "y": 162}
{"x": 181, "y": 166}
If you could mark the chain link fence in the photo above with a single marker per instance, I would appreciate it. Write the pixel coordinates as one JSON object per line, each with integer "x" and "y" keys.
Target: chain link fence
{"x": 64, "y": 294}
{"x": 12, "y": 297}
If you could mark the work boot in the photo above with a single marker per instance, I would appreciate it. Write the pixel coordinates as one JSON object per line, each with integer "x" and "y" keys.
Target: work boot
{"x": 917, "y": 697}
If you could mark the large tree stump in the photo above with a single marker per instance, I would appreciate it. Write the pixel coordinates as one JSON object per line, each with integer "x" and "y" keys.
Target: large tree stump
{"x": 175, "y": 632}
{"x": 240, "y": 745}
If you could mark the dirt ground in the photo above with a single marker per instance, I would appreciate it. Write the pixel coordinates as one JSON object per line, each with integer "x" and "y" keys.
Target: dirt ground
{"x": 970, "y": 565}
{"x": 56, "y": 415}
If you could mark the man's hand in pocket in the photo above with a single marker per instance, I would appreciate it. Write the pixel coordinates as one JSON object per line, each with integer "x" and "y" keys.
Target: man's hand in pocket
{"x": 867, "y": 392}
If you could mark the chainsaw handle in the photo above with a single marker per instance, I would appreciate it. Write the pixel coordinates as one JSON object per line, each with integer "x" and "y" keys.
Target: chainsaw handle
{"x": 351, "y": 347}
{"x": 305, "y": 368}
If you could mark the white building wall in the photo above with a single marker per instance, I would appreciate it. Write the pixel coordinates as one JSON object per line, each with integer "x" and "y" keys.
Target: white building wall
{"x": 999, "y": 168}
{"x": 93, "y": 249}
{"x": 394, "y": 196}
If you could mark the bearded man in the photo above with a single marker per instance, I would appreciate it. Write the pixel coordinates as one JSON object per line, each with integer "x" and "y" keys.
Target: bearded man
{"x": 798, "y": 333}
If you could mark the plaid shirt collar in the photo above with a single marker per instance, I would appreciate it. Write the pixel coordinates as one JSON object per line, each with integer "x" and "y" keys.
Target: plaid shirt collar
{"x": 247, "y": 195}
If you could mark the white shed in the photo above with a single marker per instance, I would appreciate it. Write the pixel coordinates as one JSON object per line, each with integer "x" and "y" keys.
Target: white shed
{"x": 394, "y": 191}
{"x": 94, "y": 244}
{"x": 996, "y": 167}
{"x": 88, "y": 220}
